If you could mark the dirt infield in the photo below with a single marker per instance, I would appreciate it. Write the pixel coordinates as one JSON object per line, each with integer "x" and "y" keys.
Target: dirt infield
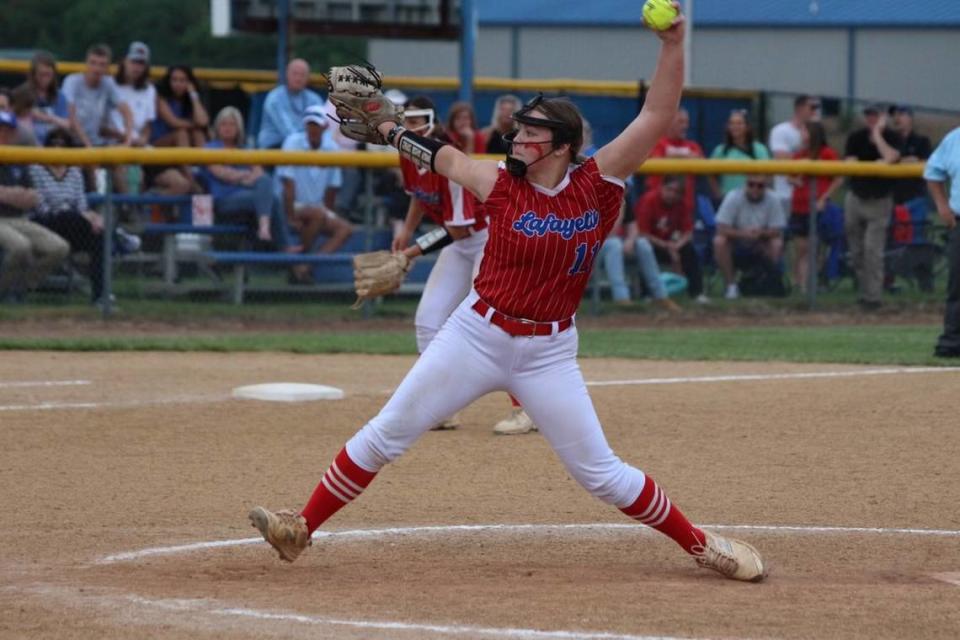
{"x": 847, "y": 483}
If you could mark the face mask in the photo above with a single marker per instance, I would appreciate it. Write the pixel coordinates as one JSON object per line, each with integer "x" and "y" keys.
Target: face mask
{"x": 561, "y": 135}
{"x": 515, "y": 166}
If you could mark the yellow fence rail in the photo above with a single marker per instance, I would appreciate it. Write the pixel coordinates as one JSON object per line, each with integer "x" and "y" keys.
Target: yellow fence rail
{"x": 375, "y": 160}
{"x": 252, "y": 80}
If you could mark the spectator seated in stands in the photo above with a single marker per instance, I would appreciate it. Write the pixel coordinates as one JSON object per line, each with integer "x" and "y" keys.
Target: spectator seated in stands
{"x": 21, "y": 104}
{"x": 63, "y": 209}
{"x": 286, "y": 105}
{"x": 462, "y": 129}
{"x": 91, "y": 97}
{"x": 677, "y": 145}
{"x": 663, "y": 219}
{"x": 612, "y": 253}
{"x": 138, "y": 93}
{"x": 749, "y": 237}
{"x": 180, "y": 120}
{"x": 49, "y": 105}
{"x": 244, "y": 191}
{"x": 30, "y": 252}
{"x": 308, "y": 193}
{"x": 739, "y": 144}
{"x": 5, "y": 100}
{"x": 501, "y": 123}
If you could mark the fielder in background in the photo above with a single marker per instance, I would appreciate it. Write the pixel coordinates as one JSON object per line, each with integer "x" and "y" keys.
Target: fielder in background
{"x": 549, "y": 213}
{"x": 458, "y": 213}
{"x": 944, "y": 165}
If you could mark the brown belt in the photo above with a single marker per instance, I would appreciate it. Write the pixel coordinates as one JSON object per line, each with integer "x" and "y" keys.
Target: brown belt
{"x": 518, "y": 327}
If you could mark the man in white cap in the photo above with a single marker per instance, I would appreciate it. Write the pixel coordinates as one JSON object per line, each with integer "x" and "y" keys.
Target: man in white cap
{"x": 308, "y": 192}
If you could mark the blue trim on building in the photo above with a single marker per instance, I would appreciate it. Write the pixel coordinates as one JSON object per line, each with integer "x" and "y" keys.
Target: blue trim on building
{"x": 728, "y": 13}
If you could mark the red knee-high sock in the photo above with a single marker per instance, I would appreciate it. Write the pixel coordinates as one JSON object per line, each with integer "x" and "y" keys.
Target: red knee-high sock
{"x": 516, "y": 403}
{"x": 342, "y": 482}
{"x": 654, "y": 509}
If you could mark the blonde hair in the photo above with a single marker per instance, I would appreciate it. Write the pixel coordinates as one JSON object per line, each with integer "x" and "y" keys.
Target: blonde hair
{"x": 230, "y": 112}
{"x": 507, "y": 97}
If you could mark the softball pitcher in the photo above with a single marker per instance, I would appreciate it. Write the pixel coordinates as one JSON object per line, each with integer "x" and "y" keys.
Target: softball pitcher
{"x": 515, "y": 331}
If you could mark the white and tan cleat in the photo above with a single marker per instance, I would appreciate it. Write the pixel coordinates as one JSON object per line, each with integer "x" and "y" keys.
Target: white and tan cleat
{"x": 286, "y": 531}
{"x": 449, "y": 424}
{"x": 517, "y": 424}
{"x": 732, "y": 558}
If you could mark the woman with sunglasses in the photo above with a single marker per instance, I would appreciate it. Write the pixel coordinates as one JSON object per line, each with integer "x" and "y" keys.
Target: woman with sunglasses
{"x": 739, "y": 144}
{"x": 549, "y": 212}
{"x": 750, "y": 224}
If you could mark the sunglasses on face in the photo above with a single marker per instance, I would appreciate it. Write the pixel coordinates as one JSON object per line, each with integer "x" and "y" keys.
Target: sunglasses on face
{"x": 756, "y": 185}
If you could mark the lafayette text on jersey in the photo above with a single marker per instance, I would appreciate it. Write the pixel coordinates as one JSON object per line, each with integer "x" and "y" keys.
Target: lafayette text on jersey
{"x": 543, "y": 242}
{"x": 443, "y": 201}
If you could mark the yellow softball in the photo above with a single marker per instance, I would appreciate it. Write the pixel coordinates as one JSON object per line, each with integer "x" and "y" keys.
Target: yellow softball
{"x": 659, "y": 14}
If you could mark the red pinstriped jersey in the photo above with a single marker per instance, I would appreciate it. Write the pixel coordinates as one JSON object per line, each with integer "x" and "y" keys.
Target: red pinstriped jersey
{"x": 443, "y": 201}
{"x": 543, "y": 242}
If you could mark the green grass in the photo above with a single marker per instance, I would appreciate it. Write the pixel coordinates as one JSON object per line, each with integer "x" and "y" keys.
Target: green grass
{"x": 855, "y": 344}
{"x": 298, "y": 324}
{"x": 906, "y": 345}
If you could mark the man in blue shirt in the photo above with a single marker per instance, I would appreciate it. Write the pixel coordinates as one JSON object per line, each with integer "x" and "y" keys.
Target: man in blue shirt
{"x": 944, "y": 165}
{"x": 285, "y": 106}
{"x": 308, "y": 192}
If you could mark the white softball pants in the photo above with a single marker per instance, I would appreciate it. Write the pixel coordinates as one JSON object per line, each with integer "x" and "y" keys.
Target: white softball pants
{"x": 469, "y": 358}
{"x": 449, "y": 283}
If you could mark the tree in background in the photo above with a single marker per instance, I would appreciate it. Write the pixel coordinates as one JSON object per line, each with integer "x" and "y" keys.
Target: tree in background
{"x": 178, "y": 32}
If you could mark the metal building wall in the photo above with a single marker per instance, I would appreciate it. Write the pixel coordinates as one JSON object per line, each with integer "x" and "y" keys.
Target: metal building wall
{"x": 912, "y": 65}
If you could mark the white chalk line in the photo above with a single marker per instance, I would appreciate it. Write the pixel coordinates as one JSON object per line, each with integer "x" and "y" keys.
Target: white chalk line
{"x": 210, "y": 607}
{"x": 42, "y": 383}
{"x": 386, "y": 625}
{"x": 50, "y": 406}
{"x": 753, "y": 377}
{"x": 950, "y": 577}
{"x": 53, "y": 406}
{"x": 516, "y": 528}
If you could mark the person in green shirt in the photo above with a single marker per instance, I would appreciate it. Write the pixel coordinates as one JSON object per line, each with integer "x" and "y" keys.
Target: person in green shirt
{"x": 738, "y": 145}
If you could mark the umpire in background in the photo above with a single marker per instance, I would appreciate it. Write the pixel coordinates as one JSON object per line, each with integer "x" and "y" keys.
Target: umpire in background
{"x": 944, "y": 165}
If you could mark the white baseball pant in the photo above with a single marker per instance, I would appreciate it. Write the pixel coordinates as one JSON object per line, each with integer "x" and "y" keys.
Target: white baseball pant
{"x": 469, "y": 358}
{"x": 449, "y": 283}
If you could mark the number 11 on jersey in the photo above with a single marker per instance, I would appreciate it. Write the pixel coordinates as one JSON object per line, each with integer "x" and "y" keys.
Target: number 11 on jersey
{"x": 582, "y": 262}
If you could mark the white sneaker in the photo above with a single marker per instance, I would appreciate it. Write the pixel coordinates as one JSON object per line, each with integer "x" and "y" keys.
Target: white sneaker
{"x": 733, "y": 292}
{"x": 449, "y": 424}
{"x": 732, "y": 558}
{"x": 127, "y": 242}
{"x": 518, "y": 423}
{"x": 702, "y": 299}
